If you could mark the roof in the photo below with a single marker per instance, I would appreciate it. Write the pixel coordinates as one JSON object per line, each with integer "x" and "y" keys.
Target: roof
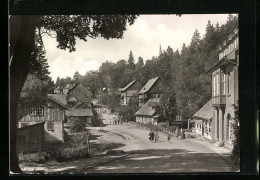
{"x": 128, "y": 86}
{"x": 80, "y": 103}
{"x": 71, "y": 98}
{"x": 146, "y": 109}
{"x": 32, "y": 125}
{"x": 79, "y": 112}
{"x": 60, "y": 99}
{"x": 70, "y": 86}
{"x": 205, "y": 112}
{"x": 148, "y": 85}
{"x": 80, "y": 92}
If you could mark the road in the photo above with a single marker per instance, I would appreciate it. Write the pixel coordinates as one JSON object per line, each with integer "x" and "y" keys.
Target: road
{"x": 178, "y": 155}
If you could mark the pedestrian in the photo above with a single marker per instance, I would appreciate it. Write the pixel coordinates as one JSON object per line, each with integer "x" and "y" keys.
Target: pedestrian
{"x": 156, "y": 136}
{"x": 150, "y": 135}
{"x": 169, "y": 137}
{"x": 181, "y": 133}
{"x": 109, "y": 121}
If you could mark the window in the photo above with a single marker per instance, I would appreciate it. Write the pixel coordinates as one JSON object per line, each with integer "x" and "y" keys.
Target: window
{"x": 50, "y": 126}
{"x": 217, "y": 85}
{"x": 229, "y": 83}
{"x": 223, "y": 84}
{"x": 37, "y": 110}
{"x": 21, "y": 139}
{"x": 214, "y": 85}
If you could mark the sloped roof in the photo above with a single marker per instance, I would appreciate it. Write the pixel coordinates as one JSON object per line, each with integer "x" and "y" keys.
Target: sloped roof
{"x": 148, "y": 85}
{"x": 79, "y": 103}
{"x": 205, "y": 112}
{"x": 71, "y": 98}
{"x": 79, "y": 112}
{"x": 80, "y": 92}
{"x": 146, "y": 109}
{"x": 70, "y": 86}
{"x": 60, "y": 99}
{"x": 127, "y": 86}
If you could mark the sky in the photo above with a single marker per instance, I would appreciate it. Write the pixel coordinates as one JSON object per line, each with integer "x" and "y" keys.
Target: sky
{"x": 143, "y": 38}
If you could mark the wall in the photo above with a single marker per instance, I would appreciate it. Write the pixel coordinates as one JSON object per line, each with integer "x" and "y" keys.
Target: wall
{"x": 34, "y": 138}
{"x": 56, "y": 135}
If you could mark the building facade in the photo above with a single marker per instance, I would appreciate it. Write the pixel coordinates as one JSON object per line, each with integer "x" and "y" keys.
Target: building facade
{"x": 130, "y": 91}
{"x": 225, "y": 90}
{"x": 154, "y": 88}
{"x": 203, "y": 120}
{"x": 147, "y": 113}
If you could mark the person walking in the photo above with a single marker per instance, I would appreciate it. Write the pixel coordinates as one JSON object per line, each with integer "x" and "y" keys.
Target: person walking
{"x": 150, "y": 135}
{"x": 169, "y": 137}
{"x": 109, "y": 121}
{"x": 156, "y": 136}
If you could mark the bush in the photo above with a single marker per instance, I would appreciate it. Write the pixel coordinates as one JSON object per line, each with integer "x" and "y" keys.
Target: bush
{"x": 77, "y": 147}
{"x": 105, "y": 146}
{"x": 38, "y": 157}
{"x": 235, "y": 154}
{"x": 69, "y": 153}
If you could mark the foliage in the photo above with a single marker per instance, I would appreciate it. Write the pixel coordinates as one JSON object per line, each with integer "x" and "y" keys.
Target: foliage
{"x": 127, "y": 112}
{"x": 104, "y": 146}
{"x": 78, "y": 125}
{"x": 235, "y": 154}
{"x": 169, "y": 106}
{"x": 34, "y": 91}
{"x": 77, "y": 147}
{"x": 38, "y": 157}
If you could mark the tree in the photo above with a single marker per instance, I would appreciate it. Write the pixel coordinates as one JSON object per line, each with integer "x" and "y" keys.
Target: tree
{"x": 140, "y": 62}
{"x": 131, "y": 60}
{"x": 168, "y": 105}
{"x": 67, "y": 28}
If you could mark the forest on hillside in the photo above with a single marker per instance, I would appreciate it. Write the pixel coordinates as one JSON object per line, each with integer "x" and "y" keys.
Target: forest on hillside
{"x": 183, "y": 70}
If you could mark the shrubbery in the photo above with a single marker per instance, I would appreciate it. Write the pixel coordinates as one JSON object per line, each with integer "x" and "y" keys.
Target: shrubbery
{"x": 77, "y": 147}
{"x": 38, "y": 157}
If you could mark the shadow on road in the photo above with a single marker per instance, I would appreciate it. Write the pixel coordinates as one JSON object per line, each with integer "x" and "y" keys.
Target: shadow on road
{"x": 174, "y": 160}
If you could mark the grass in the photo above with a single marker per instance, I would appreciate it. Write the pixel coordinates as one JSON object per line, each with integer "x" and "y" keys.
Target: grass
{"x": 104, "y": 146}
{"x": 37, "y": 157}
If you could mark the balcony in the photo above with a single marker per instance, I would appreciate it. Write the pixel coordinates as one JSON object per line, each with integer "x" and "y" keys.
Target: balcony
{"x": 219, "y": 101}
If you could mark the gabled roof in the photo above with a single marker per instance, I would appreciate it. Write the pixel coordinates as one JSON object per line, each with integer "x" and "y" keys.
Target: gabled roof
{"x": 79, "y": 112}
{"x": 71, "y": 98}
{"x": 205, "y": 112}
{"x": 146, "y": 109}
{"x": 80, "y": 103}
{"x": 128, "y": 86}
{"x": 148, "y": 85}
{"x": 60, "y": 99}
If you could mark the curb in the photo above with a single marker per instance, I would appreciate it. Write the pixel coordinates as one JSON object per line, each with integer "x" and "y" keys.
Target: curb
{"x": 103, "y": 162}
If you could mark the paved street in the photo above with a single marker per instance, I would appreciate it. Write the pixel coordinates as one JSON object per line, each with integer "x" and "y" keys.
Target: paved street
{"x": 178, "y": 155}
{"x": 143, "y": 156}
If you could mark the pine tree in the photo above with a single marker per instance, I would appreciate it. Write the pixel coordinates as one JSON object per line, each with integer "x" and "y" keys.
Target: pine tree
{"x": 131, "y": 60}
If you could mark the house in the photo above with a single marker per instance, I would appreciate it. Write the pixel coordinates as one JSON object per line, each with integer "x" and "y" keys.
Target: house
{"x": 55, "y": 112}
{"x": 81, "y": 93}
{"x": 225, "y": 90}
{"x": 30, "y": 138}
{"x": 177, "y": 122}
{"x": 203, "y": 120}
{"x": 72, "y": 115}
{"x": 147, "y": 113}
{"x": 154, "y": 88}
{"x": 129, "y": 91}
